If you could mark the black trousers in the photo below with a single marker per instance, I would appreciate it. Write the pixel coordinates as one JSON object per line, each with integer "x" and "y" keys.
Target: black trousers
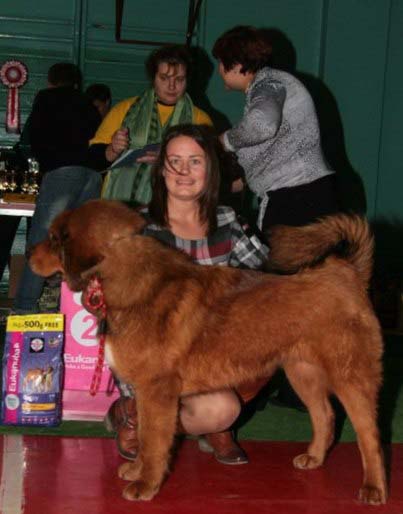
{"x": 301, "y": 205}
{"x": 297, "y": 206}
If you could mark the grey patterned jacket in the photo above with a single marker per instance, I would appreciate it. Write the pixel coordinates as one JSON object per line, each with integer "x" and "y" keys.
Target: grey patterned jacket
{"x": 277, "y": 141}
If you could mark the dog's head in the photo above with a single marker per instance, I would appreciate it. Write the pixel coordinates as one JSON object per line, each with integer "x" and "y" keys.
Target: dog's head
{"x": 79, "y": 239}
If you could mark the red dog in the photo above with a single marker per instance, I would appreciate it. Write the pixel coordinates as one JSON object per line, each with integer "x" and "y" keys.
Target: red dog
{"x": 176, "y": 328}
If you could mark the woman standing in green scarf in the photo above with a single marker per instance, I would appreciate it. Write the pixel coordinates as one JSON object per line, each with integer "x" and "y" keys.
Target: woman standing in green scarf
{"x": 140, "y": 121}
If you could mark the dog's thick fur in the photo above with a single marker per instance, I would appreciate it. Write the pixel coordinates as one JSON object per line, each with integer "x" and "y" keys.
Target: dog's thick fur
{"x": 176, "y": 328}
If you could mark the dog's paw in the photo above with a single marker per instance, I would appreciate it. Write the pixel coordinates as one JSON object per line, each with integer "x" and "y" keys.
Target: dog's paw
{"x": 306, "y": 461}
{"x": 130, "y": 471}
{"x": 372, "y": 495}
{"x": 140, "y": 490}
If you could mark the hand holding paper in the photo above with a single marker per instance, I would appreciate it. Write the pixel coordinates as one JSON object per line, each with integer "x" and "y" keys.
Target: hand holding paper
{"x": 148, "y": 154}
{"x": 120, "y": 140}
{"x": 149, "y": 157}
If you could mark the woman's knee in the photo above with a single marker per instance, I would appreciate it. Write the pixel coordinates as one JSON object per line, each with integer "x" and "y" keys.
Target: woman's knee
{"x": 212, "y": 412}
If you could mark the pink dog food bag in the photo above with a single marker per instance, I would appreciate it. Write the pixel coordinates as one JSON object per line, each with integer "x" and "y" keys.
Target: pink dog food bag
{"x": 80, "y": 358}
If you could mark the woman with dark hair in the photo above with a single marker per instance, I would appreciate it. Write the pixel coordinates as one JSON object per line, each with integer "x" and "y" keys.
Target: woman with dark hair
{"x": 277, "y": 141}
{"x": 184, "y": 214}
{"x": 138, "y": 122}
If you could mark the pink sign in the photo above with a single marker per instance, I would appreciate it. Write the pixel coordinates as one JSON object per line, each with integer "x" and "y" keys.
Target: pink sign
{"x": 80, "y": 358}
{"x": 13, "y": 374}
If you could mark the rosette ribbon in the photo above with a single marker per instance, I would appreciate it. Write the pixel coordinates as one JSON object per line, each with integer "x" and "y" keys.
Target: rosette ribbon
{"x": 13, "y": 75}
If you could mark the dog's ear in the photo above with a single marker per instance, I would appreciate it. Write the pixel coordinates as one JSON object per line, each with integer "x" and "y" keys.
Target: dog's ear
{"x": 91, "y": 233}
{"x": 45, "y": 257}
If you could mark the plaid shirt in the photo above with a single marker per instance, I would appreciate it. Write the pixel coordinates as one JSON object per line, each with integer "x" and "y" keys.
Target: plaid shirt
{"x": 230, "y": 244}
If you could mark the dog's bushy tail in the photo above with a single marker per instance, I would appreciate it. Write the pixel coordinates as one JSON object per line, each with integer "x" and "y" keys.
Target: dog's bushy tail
{"x": 348, "y": 236}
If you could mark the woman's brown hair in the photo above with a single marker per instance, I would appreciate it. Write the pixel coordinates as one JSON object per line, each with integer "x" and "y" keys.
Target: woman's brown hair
{"x": 245, "y": 45}
{"x": 170, "y": 54}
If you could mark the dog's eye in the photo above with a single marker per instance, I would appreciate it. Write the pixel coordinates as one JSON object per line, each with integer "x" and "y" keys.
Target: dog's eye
{"x": 59, "y": 237}
{"x": 64, "y": 236}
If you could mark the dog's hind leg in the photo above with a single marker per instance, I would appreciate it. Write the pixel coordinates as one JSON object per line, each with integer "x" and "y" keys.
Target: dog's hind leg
{"x": 309, "y": 381}
{"x": 359, "y": 401}
{"x": 157, "y": 411}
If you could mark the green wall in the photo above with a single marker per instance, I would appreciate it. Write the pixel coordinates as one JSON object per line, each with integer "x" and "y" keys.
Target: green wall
{"x": 348, "y": 52}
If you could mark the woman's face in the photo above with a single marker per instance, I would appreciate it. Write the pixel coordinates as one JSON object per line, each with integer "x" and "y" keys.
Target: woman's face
{"x": 185, "y": 169}
{"x": 170, "y": 82}
{"x": 103, "y": 107}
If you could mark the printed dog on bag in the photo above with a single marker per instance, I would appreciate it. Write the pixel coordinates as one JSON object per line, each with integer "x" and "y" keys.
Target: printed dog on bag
{"x": 175, "y": 328}
{"x": 38, "y": 380}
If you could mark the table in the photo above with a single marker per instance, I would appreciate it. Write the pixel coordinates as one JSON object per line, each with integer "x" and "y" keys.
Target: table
{"x": 16, "y": 209}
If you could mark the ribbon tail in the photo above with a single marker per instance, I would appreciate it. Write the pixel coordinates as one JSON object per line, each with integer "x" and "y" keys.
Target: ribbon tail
{"x": 13, "y": 111}
{"x": 96, "y": 378}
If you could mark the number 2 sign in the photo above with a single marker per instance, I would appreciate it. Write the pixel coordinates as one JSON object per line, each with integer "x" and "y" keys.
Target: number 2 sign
{"x": 80, "y": 357}
{"x": 83, "y": 325}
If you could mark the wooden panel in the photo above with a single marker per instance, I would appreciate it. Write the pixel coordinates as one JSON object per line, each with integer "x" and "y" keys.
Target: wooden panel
{"x": 356, "y": 46}
{"x": 390, "y": 185}
{"x": 389, "y": 204}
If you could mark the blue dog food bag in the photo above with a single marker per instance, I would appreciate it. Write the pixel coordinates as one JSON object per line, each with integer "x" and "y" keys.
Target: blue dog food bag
{"x": 33, "y": 370}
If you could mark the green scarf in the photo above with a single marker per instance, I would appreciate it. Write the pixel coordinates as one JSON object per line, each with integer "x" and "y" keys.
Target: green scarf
{"x": 143, "y": 122}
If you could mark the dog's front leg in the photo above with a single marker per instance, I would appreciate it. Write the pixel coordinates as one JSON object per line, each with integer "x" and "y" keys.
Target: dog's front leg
{"x": 157, "y": 411}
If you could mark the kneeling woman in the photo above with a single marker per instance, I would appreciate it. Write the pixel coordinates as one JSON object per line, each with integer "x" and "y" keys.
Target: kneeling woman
{"x": 184, "y": 214}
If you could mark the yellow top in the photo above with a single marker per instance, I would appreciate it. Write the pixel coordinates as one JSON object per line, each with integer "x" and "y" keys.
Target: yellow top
{"x": 113, "y": 120}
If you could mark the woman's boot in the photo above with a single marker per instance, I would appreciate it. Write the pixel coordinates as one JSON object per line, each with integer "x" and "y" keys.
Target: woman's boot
{"x": 122, "y": 419}
{"x": 226, "y": 450}
{"x": 224, "y": 447}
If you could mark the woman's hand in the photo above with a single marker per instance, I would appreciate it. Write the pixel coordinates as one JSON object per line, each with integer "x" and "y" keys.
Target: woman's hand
{"x": 149, "y": 157}
{"x": 119, "y": 143}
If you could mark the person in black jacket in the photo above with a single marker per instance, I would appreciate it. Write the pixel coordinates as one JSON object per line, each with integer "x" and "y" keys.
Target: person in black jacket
{"x": 62, "y": 122}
